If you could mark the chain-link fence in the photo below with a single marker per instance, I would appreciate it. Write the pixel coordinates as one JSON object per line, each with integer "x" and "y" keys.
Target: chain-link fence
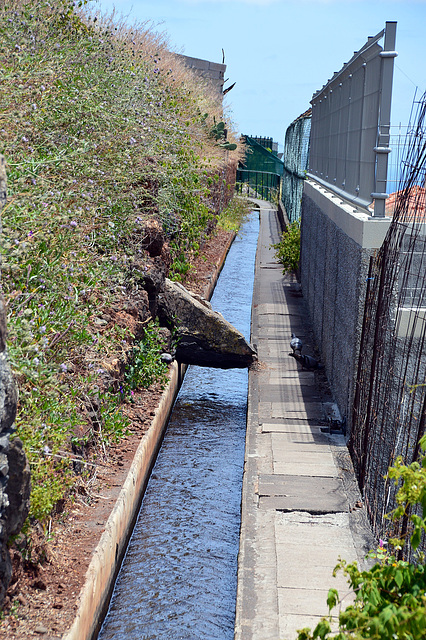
{"x": 296, "y": 156}
{"x": 389, "y": 414}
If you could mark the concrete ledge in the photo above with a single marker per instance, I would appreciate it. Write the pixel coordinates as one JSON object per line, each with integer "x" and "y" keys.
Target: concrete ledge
{"x": 105, "y": 563}
{"x": 203, "y": 65}
{"x": 282, "y": 216}
{"x": 366, "y": 232}
{"x": 108, "y": 554}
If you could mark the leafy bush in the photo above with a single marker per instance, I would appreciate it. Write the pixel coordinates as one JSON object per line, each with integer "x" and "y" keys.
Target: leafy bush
{"x": 287, "y": 250}
{"x": 390, "y": 599}
{"x": 233, "y": 216}
{"x": 145, "y": 366}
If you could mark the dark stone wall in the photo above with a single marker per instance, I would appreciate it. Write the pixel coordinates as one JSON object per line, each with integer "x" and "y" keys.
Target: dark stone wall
{"x": 334, "y": 269}
{"x": 14, "y": 468}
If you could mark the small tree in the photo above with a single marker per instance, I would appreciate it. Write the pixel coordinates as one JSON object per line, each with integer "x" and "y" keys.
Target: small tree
{"x": 287, "y": 250}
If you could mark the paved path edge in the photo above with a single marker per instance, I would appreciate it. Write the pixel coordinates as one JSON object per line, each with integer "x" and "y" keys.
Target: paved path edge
{"x": 246, "y": 588}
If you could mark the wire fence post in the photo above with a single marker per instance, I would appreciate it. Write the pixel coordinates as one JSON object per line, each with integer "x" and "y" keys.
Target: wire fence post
{"x": 383, "y": 149}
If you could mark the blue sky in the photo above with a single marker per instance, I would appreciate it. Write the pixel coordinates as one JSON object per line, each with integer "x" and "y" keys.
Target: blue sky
{"x": 280, "y": 51}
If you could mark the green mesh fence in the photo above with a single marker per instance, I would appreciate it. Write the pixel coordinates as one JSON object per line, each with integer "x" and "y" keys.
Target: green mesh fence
{"x": 260, "y": 158}
{"x": 296, "y": 156}
{"x": 260, "y": 174}
{"x": 258, "y": 184}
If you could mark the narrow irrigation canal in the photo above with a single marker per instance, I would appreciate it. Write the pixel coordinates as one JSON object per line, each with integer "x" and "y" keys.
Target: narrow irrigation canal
{"x": 178, "y": 580}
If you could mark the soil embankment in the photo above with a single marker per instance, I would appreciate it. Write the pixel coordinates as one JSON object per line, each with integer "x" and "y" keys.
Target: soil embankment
{"x": 44, "y": 596}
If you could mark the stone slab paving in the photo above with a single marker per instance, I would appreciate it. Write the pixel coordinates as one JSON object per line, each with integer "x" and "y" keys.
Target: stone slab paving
{"x": 321, "y": 494}
{"x": 296, "y": 513}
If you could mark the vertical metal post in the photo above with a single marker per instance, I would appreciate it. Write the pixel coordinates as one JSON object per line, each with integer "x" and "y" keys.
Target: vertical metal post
{"x": 348, "y": 124}
{"x": 382, "y": 149}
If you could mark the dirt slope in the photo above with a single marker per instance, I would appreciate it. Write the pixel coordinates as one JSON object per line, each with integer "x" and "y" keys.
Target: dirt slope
{"x": 42, "y": 598}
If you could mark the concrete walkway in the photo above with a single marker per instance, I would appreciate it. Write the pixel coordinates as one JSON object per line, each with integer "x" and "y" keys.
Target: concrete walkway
{"x": 301, "y": 507}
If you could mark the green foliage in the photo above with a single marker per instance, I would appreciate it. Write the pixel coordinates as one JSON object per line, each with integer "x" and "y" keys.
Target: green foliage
{"x": 180, "y": 266}
{"x": 48, "y": 421}
{"x": 219, "y": 133}
{"x": 228, "y": 146}
{"x": 145, "y": 367}
{"x": 233, "y": 215}
{"x": 390, "y": 598}
{"x": 411, "y": 492}
{"x": 287, "y": 250}
{"x": 100, "y": 134}
{"x": 43, "y": 425}
{"x": 46, "y": 494}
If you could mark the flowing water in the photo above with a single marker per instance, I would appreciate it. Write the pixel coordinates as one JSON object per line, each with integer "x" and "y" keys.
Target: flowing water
{"x": 178, "y": 580}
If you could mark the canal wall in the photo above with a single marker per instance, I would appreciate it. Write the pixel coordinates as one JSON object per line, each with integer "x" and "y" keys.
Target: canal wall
{"x": 337, "y": 241}
{"x": 105, "y": 563}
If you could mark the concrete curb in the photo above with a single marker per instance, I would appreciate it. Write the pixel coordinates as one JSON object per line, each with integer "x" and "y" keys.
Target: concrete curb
{"x": 105, "y": 563}
{"x": 108, "y": 554}
{"x": 245, "y": 608}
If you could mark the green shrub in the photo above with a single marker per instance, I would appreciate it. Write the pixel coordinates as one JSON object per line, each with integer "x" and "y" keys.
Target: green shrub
{"x": 145, "y": 367}
{"x": 287, "y": 250}
{"x": 233, "y": 215}
{"x": 390, "y": 599}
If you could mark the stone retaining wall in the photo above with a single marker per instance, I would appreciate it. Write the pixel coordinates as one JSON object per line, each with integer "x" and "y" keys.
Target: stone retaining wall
{"x": 336, "y": 244}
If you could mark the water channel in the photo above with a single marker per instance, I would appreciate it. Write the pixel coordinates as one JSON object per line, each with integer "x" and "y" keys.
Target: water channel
{"x": 178, "y": 580}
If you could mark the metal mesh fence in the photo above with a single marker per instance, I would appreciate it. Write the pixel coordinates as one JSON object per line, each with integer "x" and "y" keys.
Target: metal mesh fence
{"x": 261, "y": 174}
{"x": 389, "y": 413}
{"x": 296, "y": 155}
{"x": 397, "y": 142}
{"x": 260, "y": 158}
{"x": 258, "y": 184}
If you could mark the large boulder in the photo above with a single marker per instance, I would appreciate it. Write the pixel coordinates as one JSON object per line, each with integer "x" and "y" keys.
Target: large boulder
{"x": 18, "y": 488}
{"x": 203, "y": 336}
